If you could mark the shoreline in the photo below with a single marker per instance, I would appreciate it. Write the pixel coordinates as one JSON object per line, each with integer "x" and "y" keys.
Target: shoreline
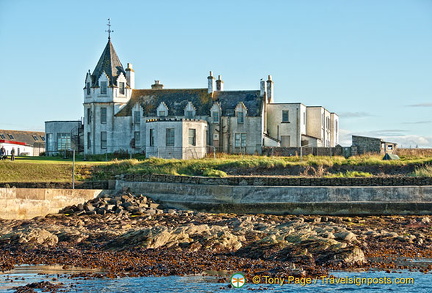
{"x": 130, "y": 235}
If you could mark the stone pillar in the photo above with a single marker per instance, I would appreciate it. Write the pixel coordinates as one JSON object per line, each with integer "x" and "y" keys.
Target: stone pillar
{"x": 211, "y": 83}
{"x": 130, "y": 76}
{"x": 270, "y": 89}
{"x": 219, "y": 83}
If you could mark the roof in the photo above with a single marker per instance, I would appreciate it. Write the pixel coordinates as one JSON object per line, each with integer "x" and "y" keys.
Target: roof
{"x": 19, "y": 137}
{"x": 109, "y": 63}
{"x": 177, "y": 99}
{"x": 230, "y": 99}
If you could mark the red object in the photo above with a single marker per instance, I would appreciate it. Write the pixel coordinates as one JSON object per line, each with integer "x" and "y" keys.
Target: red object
{"x": 12, "y": 142}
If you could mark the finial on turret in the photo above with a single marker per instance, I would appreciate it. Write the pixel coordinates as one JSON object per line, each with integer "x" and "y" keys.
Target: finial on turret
{"x": 109, "y": 31}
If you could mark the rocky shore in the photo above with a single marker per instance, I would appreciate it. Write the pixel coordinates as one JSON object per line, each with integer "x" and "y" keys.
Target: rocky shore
{"x": 130, "y": 235}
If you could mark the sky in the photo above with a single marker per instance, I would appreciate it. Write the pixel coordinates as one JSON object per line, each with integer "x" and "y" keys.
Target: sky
{"x": 368, "y": 61}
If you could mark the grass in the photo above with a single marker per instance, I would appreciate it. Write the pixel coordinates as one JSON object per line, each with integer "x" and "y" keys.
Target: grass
{"x": 425, "y": 171}
{"x": 54, "y": 169}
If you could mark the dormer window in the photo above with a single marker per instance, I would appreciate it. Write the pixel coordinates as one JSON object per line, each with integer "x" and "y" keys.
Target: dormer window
{"x": 121, "y": 88}
{"x": 241, "y": 112}
{"x": 2, "y": 136}
{"x": 189, "y": 114}
{"x": 35, "y": 137}
{"x": 240, "y": 117}
{"x": 88, "y": 89}
{"x": 162, "y": 110}
{"x": 103, "y": 87}
{"x": 11, "y": 136}
{"x": 189, "y": 110}
{"x": 215, "y": 113}
{"x": 137, "y": 117}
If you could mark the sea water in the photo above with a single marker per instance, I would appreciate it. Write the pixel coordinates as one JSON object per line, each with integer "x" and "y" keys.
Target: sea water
{"x": 370, "y": 281}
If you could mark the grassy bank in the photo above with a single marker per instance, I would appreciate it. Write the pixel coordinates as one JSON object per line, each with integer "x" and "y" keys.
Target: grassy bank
{"x": 42, "y": 169}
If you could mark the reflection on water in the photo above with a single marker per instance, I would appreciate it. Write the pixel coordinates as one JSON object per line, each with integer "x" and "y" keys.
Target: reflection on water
{"x": 22, "y": 275}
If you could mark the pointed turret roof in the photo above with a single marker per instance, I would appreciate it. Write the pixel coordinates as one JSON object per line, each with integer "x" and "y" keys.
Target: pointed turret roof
{"x": 109, "y": 63}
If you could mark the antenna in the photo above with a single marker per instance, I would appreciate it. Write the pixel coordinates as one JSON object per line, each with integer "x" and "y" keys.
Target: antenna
{"x": 109, "y": 31}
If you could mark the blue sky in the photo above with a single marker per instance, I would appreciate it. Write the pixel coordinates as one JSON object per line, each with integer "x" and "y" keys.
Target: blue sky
{"x": 368, "y": 61}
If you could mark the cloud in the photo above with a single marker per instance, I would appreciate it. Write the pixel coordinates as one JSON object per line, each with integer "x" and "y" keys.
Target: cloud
{"x": 348, "y": 115}
{"x": 419, "y": 122}
{"x": 421, "y": 105}
{"x": 403, "y": 140}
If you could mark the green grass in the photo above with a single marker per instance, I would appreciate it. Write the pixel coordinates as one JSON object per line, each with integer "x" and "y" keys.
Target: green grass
{"x": 55, "y": 169}
{"x": 425, "y": 171}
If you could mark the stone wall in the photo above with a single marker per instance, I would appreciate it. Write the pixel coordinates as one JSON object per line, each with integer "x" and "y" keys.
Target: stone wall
{"x": 283, "y": 181}
{"x": 27, "y": 203}
{"x": 330, "y": 200}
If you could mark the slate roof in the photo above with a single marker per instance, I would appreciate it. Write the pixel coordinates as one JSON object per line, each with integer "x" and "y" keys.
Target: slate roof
{"x": 109, "y": 63}
{"x": 177, "y": 99}
{"x": 230, "y": 99}
{"x": 28, "y": 137}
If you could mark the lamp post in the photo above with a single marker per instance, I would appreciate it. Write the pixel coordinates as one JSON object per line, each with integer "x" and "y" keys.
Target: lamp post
{"x": 73, "y": 168}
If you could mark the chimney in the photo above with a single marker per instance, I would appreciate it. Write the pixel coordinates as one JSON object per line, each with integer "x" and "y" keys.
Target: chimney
{"x": 157, "y": 85}
{"x": 130, "y": 76}
{"x": 270, "y": 89}
{"x": 262, "y": 88}
{"x": 219, "y": 83}
{"x": 211, "y": 82}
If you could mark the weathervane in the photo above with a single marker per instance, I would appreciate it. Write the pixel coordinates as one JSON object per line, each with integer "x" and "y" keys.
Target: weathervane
{"x": 109, "y": 31}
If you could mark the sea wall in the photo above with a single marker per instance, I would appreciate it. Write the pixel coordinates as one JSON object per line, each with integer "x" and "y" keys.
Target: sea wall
{"x": 27, "y": 203}
{"x": 329, "y": 200}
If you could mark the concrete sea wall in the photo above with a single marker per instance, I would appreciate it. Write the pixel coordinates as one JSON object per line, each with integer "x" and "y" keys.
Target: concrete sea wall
{"x": 27, "y": 203}
{"x": 330, "y": 200}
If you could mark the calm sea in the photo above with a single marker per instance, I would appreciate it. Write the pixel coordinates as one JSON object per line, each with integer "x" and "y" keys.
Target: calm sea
{"x": 403, "y": 281}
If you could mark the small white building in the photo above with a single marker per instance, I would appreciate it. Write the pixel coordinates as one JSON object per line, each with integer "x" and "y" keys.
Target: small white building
{"x": 25, "y": 143}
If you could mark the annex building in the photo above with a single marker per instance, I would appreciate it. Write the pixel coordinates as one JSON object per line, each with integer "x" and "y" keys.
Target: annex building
{"x": 187, "y": 123}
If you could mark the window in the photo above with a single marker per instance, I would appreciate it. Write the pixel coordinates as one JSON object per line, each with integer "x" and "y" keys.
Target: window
{"x": 2, "y": 136}
{"x": 88, "y": 115}
{"x": 170, "y": 137}
{"x": 11, "y": 136}
{"x": 122, "y": 88}
{"x": 285, "y": 116}
{"x": 137, "y": 117}
{"x": 189, "y": 114}
{"x": 43, "y": 138}
{"x": 63, "y": 141}
{"x": 390, "y": 147}
{"x": 88, "y": 140}
{"x": 151, "y": 137}
{"x": 137, "y": 137}
{"x": 35, "y": 137}
{"x": 50, "y": 142}
{"x": 240, "y": 140}
{"x": 240, "y": 117}
{"x": 103, "y": 115}
{"x": 103, "y": 86}
{"x": 161, "y": 113}
{"x": 103, "y": 140}
{"x": 215, "y": 115}
{"x": 88, "y": 88}
{"x": 192, "y": 136}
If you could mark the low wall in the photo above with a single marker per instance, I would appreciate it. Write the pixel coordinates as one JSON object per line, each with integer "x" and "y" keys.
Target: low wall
{"x": 283, "y": 181}
{"x": 330, "y": 200}
{"x": 27, "y": 203}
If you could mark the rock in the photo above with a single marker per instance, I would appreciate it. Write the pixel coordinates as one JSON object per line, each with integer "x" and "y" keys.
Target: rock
{"x": 345, "y": 236}
{"x": 34, "y": 237}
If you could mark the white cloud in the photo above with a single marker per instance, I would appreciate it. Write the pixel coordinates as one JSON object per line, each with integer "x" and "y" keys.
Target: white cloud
{"x": 405, "y": 141}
